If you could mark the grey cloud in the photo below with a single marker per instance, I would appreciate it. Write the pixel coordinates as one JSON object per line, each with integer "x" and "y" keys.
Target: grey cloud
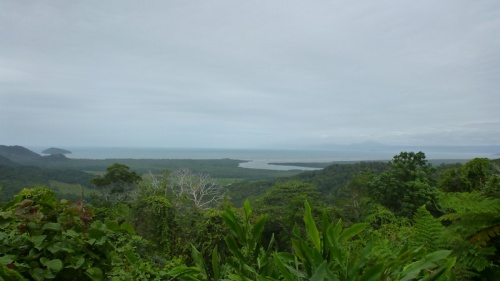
{"x": 250, "y": 74}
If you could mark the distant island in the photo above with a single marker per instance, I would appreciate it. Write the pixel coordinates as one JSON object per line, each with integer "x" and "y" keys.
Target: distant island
{"x": 56, "y": 151}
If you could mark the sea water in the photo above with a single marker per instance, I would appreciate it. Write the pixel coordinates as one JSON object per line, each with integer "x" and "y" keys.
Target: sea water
{"x": 256, "y": 158}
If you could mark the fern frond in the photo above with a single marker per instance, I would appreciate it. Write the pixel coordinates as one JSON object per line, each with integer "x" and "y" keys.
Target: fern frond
{"x": 472, "y": 215}
{"x": 477, "y": 257}
{"x": 482, "y": 237}
{"x": 471, "y": 203}
{"x": 427, "y": 230}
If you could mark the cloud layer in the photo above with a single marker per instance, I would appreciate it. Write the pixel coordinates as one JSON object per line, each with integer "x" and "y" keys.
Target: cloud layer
{"x": 249, "y": 74}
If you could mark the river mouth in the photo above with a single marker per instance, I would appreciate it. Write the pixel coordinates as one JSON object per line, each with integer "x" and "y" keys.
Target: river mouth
{"x": 265, "y": 165}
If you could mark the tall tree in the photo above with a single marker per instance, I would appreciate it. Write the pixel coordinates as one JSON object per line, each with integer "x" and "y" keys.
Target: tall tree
{"x": 406, "y": 185}
{"x": 117, "y": 182}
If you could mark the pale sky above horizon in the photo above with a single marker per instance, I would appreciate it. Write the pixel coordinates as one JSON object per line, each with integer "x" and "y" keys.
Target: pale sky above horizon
{"x": 249, "y": 74}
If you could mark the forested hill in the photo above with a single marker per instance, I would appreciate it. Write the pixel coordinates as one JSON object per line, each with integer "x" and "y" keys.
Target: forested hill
{"x": 334, "y": 176}
{"x": 55, "y": 151}
{"x": 21, "y": 167}
{"x": 19, "y": 154}
{"x": 6, "y": 161}
{"x": 327, "y": 181}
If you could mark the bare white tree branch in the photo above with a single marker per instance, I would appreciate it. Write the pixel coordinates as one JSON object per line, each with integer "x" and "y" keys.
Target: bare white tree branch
{"x": 198, "y": 188}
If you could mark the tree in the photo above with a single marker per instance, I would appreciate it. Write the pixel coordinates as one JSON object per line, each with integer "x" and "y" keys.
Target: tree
{"x": 198, "y": 188}
{"x": 453, "y": 180}
{"x": 282, "y": 203}
{"x": 473, "y": 175}
{"x": 476, "y": 172}
{"x": 406, "y": 185}
{"x": 118, "y": 181}
{"x": 411, "y": 166}
{"x": 353, "y": 197}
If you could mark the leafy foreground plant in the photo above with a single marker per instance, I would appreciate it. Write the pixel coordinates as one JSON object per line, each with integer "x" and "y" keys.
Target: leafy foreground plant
{"x": 331, "y": 254}
{"x": 473, "y": 232}
{"x": 42, "y": 238}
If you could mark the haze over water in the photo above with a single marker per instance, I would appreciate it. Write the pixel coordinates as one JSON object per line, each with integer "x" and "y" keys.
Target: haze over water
{"x": 257, "y": 158}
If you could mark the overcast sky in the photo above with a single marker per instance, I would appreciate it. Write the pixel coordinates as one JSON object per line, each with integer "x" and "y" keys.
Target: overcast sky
{"x": 249, "y": 74}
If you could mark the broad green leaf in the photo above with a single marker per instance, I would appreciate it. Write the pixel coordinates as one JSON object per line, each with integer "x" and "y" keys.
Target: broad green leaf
{"x": 54, "y": 265}
{"x": 95, "y": 273}
{"x": 429, "y": 261}
{"x": 325, "y": 224}
{"x": 78, "y": 263}
{"x": 33, "y": 254}
{"x": 198, "y": 260}
{"x": 311, "y": 229}
{"x": 233, "y": 247}
{"x": 127, "y": 226}
{"x": 7, "y": 259}
{"x": 332, "y": 238}
{"x": 248, "y": 210}
{"x": 38, "y": 240}
{"x": 215, "y": 264}
{"x": 320, "y": 273}
{"x": 132, "y": 257}
{"x": 297, "y": 248}
{"x": 55, "y": 248}
{"x": 52, "y": 226}
{"x": 71, "y": 233}
{"x": 188, "y": 273}
{"x": 337, "y": 228}
{"x": 282, "y": 268}
{"x": 112, "y": 225}
{"x": 373, "y": 273}
{"x": 230, "y": 220}
{"x": 443, "y": 270}
{"x": 96, "y": 234}
{"x": 351, "y": 231}
{"x": 37, "y": 274}
{"x": 257, "y": 230}
{"x": 47, "y": 274}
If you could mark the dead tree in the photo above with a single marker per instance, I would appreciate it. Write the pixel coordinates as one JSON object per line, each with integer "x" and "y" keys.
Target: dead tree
{"x": 199, "y": 188}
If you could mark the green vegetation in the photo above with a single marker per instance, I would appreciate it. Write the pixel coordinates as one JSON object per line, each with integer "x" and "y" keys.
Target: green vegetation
{"x": 117, "y": 183}
{"x": 20, "y": 168}
{"x": 402, "y": 220}
{"x": 406, "y": 185}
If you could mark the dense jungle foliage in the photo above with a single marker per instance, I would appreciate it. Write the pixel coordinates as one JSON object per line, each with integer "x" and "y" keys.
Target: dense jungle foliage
{"x": 402, "y": 220}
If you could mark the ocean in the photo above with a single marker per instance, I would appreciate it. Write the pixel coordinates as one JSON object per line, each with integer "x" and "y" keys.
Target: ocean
{"x": 256, "y": 158}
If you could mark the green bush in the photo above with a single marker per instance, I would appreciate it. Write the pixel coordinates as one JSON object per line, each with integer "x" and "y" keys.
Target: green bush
{"x": 42, "y": 238}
